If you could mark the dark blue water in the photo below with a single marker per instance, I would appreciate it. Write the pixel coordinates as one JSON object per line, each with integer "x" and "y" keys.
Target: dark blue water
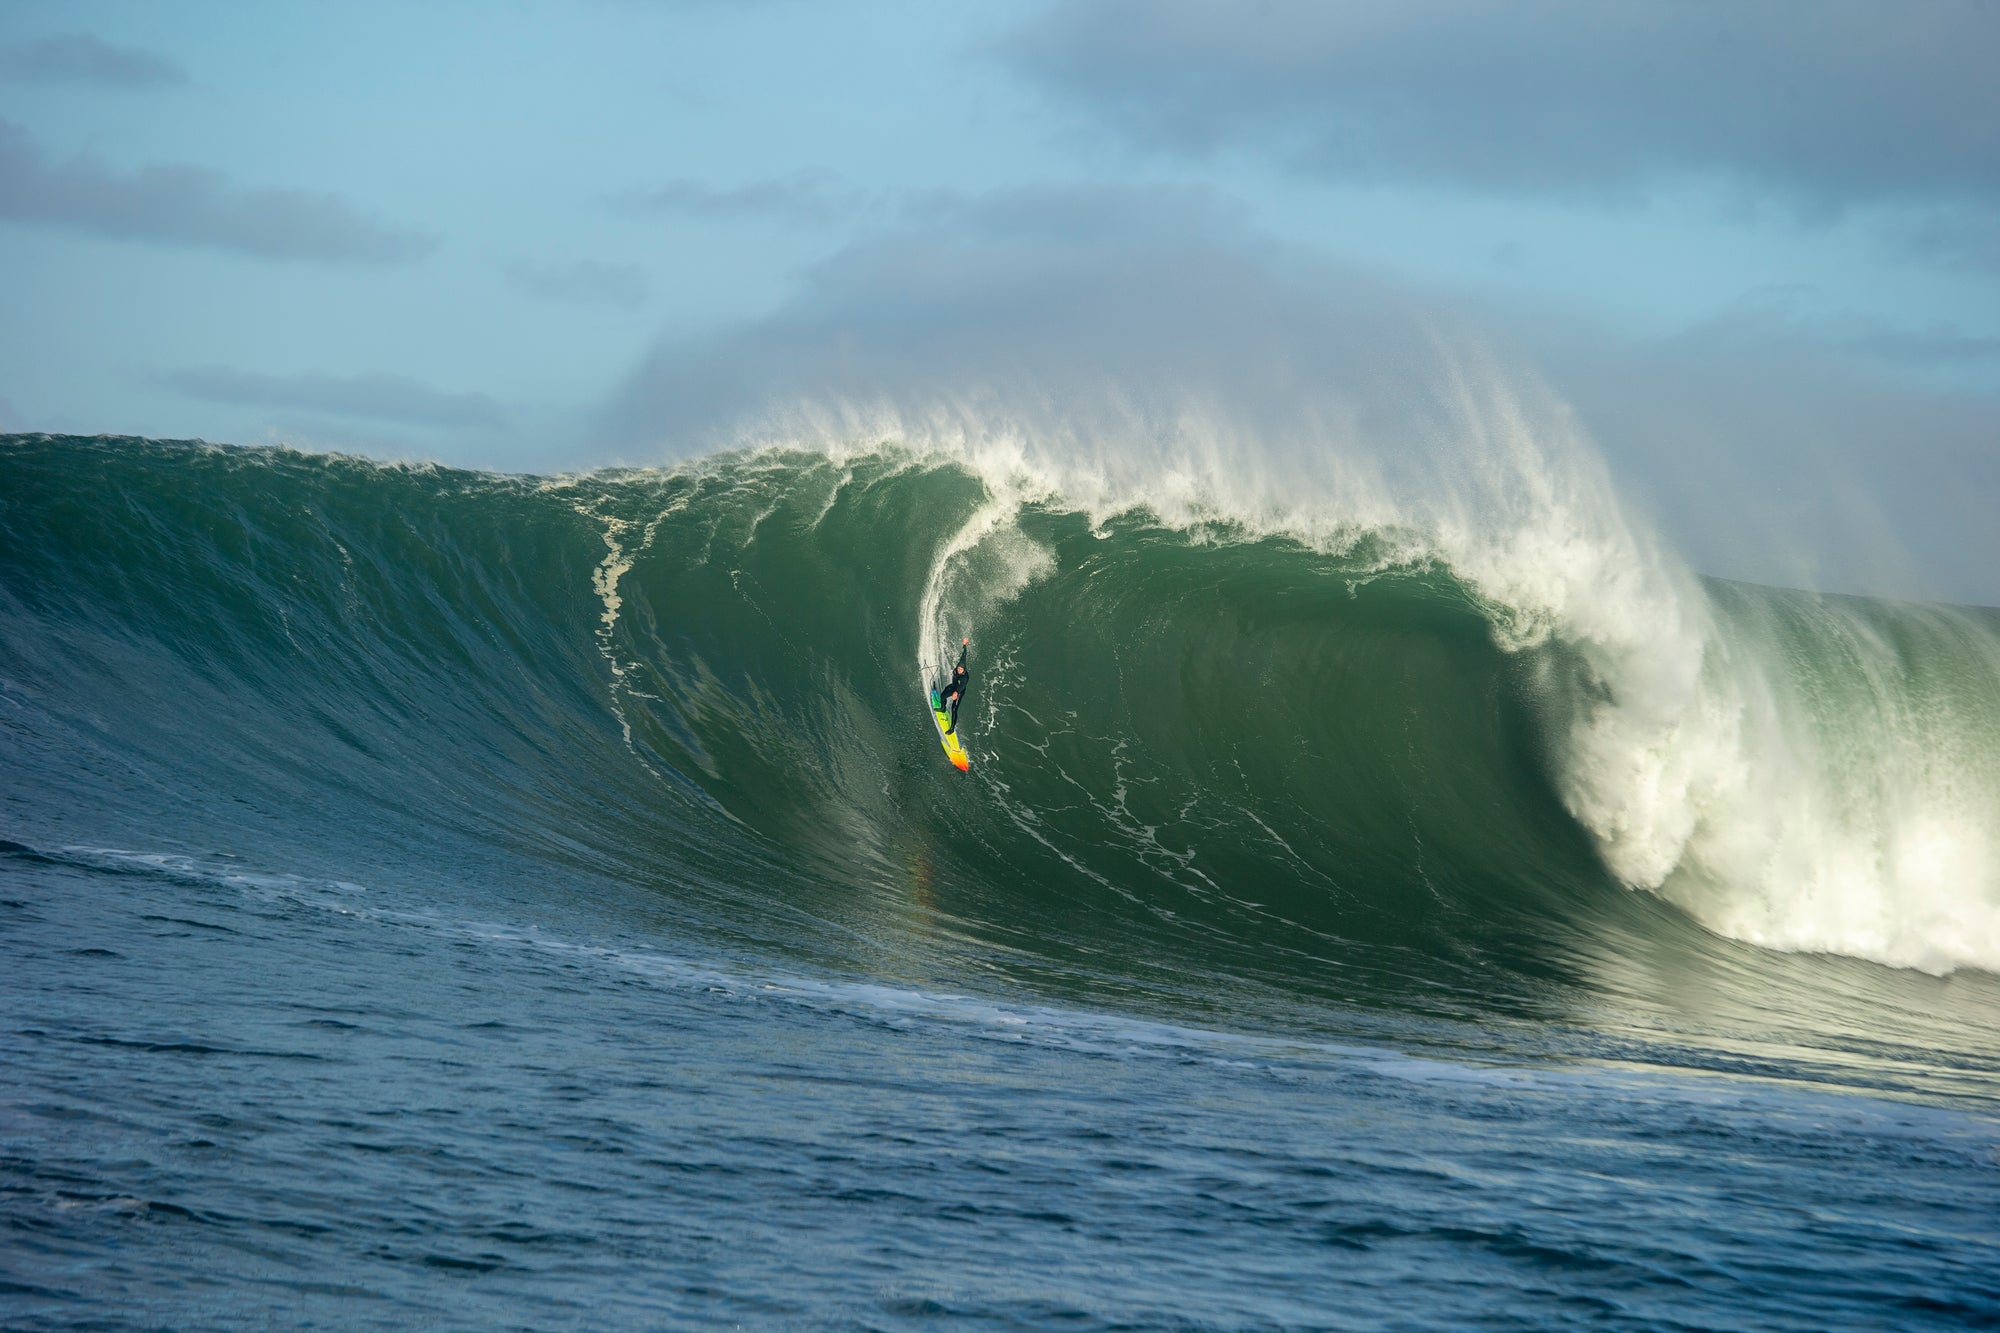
{"x": 391, "y": 936}
{"x": 237, "y": 1100}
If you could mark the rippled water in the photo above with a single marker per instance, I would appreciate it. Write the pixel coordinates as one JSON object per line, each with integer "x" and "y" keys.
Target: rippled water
{"x": 242, "y": 1100}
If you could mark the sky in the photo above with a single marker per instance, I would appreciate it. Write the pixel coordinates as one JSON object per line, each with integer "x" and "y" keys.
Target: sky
{"x": 1755, "y": 246}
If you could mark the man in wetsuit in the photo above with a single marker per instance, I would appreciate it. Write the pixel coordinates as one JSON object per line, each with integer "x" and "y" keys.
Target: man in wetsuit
{"x": 952, "y": 693}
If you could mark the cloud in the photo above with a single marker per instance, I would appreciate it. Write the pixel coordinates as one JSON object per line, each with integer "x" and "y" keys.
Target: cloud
{"x": 1938, "y": 345}
{"x": 393, "y": 398}
{"x": 1840, "y": 102}
{"x": 190, "y": 206}
{"x": 1792, "y": 459}
{"x": 580, "y": 282}
{"x": 1960, "y": 238}
{"x": 1798, "y": 317}
{"x": 804, "y": 196}
{"x": 1060, "y": 291}
{"x": 80, "y": 58}
{"x": 1076, "y": 315}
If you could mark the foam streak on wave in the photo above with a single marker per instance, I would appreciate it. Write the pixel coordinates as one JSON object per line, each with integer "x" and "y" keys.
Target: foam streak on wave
{"x": 1794, "y": 786}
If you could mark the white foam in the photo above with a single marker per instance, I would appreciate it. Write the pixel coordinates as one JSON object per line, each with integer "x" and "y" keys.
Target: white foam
{"x": 1857, "y": 815}
{"x": 985, "y": 564}
{"x": 604, "y": 581}
{"x": 1687, "y": 741}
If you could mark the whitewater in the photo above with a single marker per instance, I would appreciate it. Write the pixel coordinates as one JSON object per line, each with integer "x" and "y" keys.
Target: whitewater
{"x": 1391, "y": 889}
{"x": 1810, "y": 773}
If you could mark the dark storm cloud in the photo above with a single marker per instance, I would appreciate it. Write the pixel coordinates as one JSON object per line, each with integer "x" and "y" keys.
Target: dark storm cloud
{"x": 393, "y": 398}
{"x": 1828, "y": 103}
{"x": 190, "y": 206}
{"x": 80, "y": 58}
{"x": 1780, "y": 453}
{"x": 804, "y": 196}
{"x": 580, "y": 282}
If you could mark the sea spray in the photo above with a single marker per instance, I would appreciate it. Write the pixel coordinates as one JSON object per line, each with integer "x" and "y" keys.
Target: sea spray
{"x": 1699, "y": 755}
{"x": 1857, "y": 816}
{"x": 1312, "y": 725}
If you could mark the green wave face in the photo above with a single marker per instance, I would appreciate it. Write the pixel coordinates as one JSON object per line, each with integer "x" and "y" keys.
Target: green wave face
{"x": 1245, "y": 749}
{"x": 1213, "y": 768}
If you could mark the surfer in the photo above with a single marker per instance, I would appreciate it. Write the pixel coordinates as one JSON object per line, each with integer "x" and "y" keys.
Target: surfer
{"x": 952, "y": 692}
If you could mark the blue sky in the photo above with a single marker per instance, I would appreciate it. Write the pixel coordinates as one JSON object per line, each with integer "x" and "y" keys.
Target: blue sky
{"x": 1757, "y": 245}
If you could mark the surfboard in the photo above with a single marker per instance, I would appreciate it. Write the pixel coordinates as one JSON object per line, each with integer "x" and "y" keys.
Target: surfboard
{"x": 954, "y": 750}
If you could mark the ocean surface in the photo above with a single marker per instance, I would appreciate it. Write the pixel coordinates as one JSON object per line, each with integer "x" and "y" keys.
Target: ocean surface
{"x": 444, "y": 899}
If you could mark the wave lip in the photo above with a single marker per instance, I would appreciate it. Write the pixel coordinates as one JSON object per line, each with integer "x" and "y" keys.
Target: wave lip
{"x": 1801, "y": 772}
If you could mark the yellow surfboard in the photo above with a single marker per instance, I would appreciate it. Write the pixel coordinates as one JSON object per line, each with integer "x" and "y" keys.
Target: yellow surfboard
{"x": 953, "y": 749}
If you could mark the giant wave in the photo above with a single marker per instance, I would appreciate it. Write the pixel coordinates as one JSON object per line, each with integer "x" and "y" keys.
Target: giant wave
{"x": 1317, "y": 738}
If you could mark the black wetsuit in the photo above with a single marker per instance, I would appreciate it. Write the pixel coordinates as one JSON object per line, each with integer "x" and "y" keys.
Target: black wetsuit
{"x": 952, "y": 693}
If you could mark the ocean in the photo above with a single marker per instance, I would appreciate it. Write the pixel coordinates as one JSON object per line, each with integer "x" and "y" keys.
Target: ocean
{"x": 449, "y": 899}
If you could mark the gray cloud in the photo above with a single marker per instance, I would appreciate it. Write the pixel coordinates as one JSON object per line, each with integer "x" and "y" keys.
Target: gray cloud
{"x": 1837, "y": 102}
{"x": 1064, "y": 291}
{"x": 804, "y": 196}
{"x": 190, "y": 206}
{"x": 80, "y": 58}
{"x": 580, "y": 282}
{"x": 1773, "y": 458}
{"x": 1793, "y": 318}
{"x": 1938, "y": 345}
{"x": 1961, "y": 238}
{"x": 392, "y": 398}
{"x": 1779, "y": 462}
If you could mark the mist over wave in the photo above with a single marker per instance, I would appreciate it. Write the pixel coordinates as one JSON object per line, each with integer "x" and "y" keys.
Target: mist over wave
{"x": 1802, "y": 772}
{"x": 1218, "y": 707}
{"x": 1197, "y": 373}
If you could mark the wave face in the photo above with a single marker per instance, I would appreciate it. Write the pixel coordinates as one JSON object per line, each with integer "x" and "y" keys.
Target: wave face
{"x": 1401, "y": 757}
